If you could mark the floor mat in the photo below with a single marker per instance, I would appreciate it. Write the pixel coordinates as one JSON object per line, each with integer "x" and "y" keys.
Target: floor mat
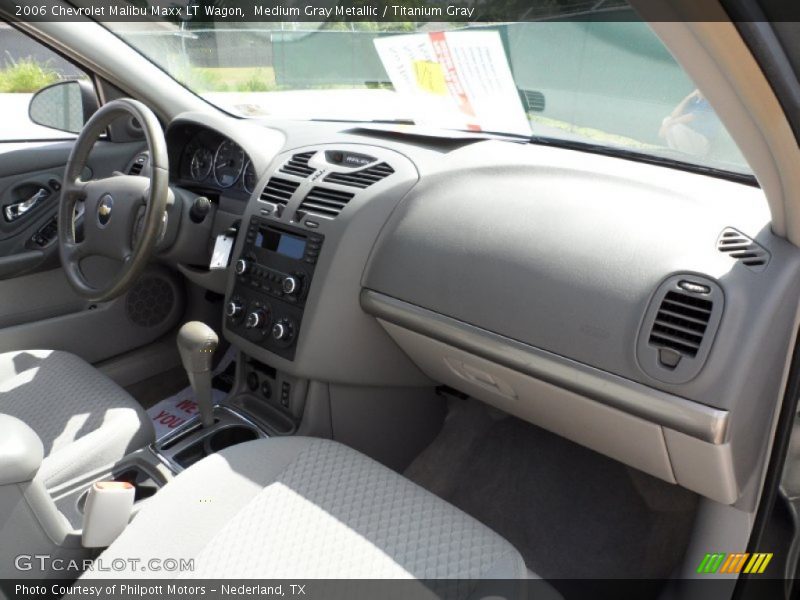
{"x": 174, "y": 411}
{"x": 571, "y": 512}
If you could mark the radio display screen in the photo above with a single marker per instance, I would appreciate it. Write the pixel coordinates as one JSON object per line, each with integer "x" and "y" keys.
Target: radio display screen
{"x": 291, "y": 246}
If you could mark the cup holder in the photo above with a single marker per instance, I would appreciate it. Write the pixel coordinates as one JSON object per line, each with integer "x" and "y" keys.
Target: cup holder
{"x": 222, "y": 438}
{"x": 230, "y": 436}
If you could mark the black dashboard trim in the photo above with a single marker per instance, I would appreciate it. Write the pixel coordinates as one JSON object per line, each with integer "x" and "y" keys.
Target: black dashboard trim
{"x": 692, "y": 418}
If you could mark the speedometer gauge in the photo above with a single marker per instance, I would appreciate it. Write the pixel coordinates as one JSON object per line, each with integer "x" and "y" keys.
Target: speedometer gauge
{"x": 249, "y": 178}
{"x": 202, "y": 161}
{"x": 228, "y": 163}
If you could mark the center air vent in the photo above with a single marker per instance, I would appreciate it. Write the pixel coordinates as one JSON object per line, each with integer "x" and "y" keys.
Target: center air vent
{"x": 363, "y": 178}
{"x": 737, "y": 245}
{"x": 325, "y": 202}
{"x": 679, "y": 328}
{"x": 279, "y": 191}
{"x": 298, "y": 165}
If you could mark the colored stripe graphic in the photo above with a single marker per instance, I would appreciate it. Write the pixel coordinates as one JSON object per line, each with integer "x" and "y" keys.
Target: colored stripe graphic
{"x": 758, "y": 563}
{"x": 711, "y": 562}
{"x": 721, "y": 562}
{"x": 734, "y": 563}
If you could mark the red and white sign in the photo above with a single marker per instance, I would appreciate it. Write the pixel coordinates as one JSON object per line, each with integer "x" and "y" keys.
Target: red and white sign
{"x": 171, "y": 413}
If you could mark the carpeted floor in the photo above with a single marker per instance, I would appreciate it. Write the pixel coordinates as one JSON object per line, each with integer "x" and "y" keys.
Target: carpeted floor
{"x": 571, "y": 512}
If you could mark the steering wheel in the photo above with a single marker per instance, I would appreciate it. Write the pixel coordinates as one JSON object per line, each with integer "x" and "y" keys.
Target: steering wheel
{"x": 112, "y": 224}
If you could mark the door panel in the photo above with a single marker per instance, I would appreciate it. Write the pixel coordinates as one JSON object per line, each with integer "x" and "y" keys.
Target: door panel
{"x": 38, "y": 307}
{"x": 94, "y": 332}
{"x": 27, "y": 243}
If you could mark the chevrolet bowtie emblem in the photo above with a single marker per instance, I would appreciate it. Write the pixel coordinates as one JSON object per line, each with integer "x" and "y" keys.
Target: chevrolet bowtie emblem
{"x": 104, "y": 210}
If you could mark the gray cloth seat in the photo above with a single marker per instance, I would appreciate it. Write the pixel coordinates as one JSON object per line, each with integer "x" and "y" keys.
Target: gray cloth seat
{"x": 85, "y": 420}
{"x": 307, "y": 508}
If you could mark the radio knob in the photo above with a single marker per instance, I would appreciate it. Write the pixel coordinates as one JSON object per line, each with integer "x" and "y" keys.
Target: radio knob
{"x": 290, "y": 285}
{"x": 256, "y": 319}
{"x": 233, "y": 309}
{"x": 242, "y": 266}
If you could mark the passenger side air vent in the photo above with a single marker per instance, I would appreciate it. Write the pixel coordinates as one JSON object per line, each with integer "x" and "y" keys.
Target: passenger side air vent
{"x": 138, "y": 164}
{"x": 298, "y": 165}
{"x": 325, "y": 202}
{"x": 737, "y": 245}
{"x": 680, "y": 323}
{"x": 679, "y": 328}
{"x": 279, "y": 191}
{"x": 363, "y": 178}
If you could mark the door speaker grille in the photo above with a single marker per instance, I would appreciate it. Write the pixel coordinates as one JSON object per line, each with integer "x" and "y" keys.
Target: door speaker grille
{"x": 150, "y": 301}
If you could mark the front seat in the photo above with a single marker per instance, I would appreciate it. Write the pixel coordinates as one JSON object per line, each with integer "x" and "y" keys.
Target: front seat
{"x": 307, "y": 508}
{"x": 85, "y": 420}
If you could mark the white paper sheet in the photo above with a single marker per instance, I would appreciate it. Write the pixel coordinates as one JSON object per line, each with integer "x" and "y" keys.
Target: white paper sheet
{"x": 458, "y": 80}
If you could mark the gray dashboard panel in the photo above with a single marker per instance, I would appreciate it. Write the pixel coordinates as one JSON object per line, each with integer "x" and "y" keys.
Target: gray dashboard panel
{"x": 557, "y": 253}
{"x": 564, "y": 250}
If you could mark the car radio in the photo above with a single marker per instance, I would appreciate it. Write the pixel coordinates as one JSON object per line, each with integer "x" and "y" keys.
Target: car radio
{"x": 273, "y": 276}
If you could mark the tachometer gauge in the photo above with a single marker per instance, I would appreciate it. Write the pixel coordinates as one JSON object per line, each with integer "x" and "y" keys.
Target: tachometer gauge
{"x": 249, "y": 178}
{"x": 228, "y": 163}
{"x": 202, "y": 161}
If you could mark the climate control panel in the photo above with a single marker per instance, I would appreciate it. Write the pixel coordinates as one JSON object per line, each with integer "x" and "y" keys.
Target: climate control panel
{"x": 273, "y": 277}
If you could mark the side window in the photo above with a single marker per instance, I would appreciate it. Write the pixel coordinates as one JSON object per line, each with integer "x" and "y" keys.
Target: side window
{"x": 62, "y": 91}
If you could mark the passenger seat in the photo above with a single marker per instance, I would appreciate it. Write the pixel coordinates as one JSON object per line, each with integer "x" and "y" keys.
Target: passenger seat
{"x": 306, "y": 508}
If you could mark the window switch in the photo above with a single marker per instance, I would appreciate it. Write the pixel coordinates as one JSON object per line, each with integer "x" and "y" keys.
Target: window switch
{"x": 286, "y": 389}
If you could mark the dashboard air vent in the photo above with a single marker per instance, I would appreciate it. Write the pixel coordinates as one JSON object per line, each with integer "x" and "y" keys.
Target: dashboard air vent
{"x": 298, "y": 165}
{"x": 279, "y": 191}
{"x": 739, "y": 246}
{"x": 681, "y": 322}
{"x": 363, "y": 178}
{"x": 325, "y": 202}
{"x": 138, "y": 165}
{"x": 679, "y": 327}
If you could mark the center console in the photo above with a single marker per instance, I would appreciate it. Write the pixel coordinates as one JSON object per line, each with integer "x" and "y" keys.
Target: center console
{"x": 273, "y": 276}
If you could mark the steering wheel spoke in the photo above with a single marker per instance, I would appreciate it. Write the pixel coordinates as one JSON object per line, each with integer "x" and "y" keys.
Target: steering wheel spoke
{"x": 75, "y": 188}
{"x": 75, "y": 251}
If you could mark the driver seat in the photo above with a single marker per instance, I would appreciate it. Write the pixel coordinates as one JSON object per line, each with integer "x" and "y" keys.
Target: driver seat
{"x": 85, "y": 420}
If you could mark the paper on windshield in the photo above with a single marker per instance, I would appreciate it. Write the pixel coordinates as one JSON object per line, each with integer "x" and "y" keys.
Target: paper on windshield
{"x": 455, "y": 79}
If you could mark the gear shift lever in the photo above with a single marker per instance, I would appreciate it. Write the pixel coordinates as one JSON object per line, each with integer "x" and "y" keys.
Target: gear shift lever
{"x": 196, "y": 345}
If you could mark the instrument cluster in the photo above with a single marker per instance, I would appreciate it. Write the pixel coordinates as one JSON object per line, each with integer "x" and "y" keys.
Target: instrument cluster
{"x": 212, "y": 162}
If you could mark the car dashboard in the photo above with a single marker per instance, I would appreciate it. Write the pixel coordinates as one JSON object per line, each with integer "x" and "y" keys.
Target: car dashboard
{"x": 640, "y": 310}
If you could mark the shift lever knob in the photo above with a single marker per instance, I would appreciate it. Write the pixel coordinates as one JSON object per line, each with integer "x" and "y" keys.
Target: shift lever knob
{"x": 196, "y": 345}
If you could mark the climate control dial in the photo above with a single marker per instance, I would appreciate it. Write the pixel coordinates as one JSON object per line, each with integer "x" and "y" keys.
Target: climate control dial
{"x": 256, "y": 319}
{"x": 283, "y": 330}
{"x": 233, "y": 309}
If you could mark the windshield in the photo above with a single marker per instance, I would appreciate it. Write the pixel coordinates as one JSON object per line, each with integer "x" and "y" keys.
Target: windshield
{"x": 608, "y": 82}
